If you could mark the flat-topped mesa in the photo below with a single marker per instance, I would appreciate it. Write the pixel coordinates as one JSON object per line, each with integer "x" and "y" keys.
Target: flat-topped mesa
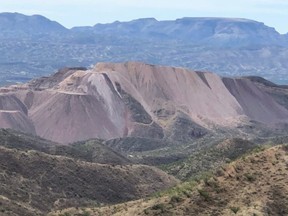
{"x": 115, "y": 100}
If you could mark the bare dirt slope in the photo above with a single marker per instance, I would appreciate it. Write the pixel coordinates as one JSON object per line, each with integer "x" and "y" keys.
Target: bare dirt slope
{"x": 14, "y": 114}
{"x": 279, "y": 93}
{"x": 256, "y": 184}
{"x": 16, "y": 120}
{"x": 137, "y": 99}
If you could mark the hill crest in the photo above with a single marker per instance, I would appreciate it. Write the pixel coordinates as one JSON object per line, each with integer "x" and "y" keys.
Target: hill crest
{"x": 137, "y": 99}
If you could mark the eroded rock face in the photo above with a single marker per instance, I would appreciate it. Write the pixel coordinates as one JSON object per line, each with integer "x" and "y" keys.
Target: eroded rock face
{"x": 140, "y": 100}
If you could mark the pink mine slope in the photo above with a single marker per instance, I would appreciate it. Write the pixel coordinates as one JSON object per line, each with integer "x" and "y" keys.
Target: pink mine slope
{"x": 103, "y": 102}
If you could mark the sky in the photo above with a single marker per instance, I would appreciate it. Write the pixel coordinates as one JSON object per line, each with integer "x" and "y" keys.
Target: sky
{"x": 70, "y": 13}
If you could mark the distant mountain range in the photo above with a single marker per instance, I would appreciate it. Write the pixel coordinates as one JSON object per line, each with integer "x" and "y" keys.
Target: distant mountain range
{"x": 201, "y": 31}
{"x": 206, "y": 31}
{"x": 34, "y": 46}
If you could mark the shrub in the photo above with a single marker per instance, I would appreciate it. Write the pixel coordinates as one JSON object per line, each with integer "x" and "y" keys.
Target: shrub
{"x": 65, "y": 214}
{"x": 159, "y": 206}
{"x": 285, "y": 148}
{"x": 204, "y": 194}
{"x": 219, "y": 172}
{"x": 234, "y": 209}
{"x": 175, "y": 199}
{"x": 250, "y": 177}
{"x": 187, "y": 194}
{"x": 85, "y": 213}
{"x": 146, "y": 212}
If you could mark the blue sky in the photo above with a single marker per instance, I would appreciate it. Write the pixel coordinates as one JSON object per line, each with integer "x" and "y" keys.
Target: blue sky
{"x": 70, "y": 13}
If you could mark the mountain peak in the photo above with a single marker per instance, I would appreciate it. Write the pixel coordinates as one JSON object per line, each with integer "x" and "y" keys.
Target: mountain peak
{"x": 11, "y": 23}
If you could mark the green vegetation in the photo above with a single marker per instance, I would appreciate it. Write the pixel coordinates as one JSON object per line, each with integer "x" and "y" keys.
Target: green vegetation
{"x": 213, "y": 195}
{"x": 205, "y": 194}
{"x": 182, "y": 189}
{"x": 160, "y": 207}
{"x": 176, "y": 199}
{"x": 234, "y": 209}
{"x": 57, "y": 165}
{"x": 250, "y": 177}
{"x": 209, "y": 158}
{"x": 65, "y": 214}
{"x": 90, "y": 151}
{"x": 85, "y": 213}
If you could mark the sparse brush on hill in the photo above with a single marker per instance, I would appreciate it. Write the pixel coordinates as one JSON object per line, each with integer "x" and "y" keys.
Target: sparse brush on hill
{"x": 36, "y": 178}
{"x": 209, "y": 158}
{"x": 230, "y": 192}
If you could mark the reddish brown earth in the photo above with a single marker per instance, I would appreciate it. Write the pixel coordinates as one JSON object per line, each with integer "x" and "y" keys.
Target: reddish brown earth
{"x": 135, "y": 99}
